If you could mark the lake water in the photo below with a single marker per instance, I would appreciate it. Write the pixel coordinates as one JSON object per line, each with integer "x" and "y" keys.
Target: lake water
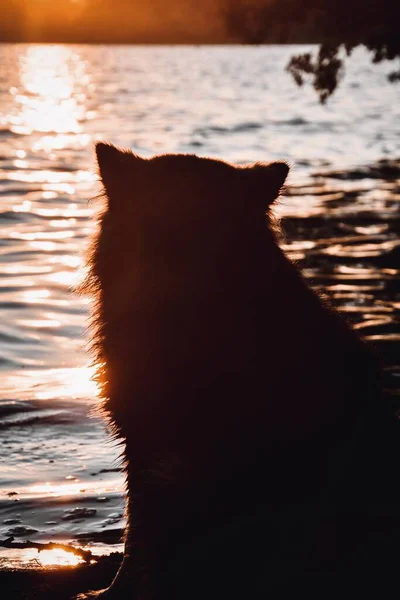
{"x": 60, "y": 477}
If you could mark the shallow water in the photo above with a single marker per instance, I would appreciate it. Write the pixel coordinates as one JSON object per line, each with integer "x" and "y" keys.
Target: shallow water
{"x": 60, "y": 477}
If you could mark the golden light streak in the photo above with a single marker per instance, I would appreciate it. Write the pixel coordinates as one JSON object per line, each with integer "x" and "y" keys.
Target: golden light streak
{"x": 58, "y": 557}
{"x": 46, "y": 99}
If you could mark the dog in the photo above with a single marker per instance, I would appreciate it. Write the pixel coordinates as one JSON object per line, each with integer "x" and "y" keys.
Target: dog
{"x": 242, "y": 400}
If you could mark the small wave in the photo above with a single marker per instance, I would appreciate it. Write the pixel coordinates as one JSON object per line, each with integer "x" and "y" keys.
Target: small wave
{"x": 247, "y": 126}
{"x": 49, "y": 412}
{"x": 62, "y": 168}
{"x": 7, "y": 188}
{"x": 11, "y": 407}
{"x": 110, "y": 536}
{"x": 295, "y": 121}
{"x": 7, "y": 132}
{"x": 387, "y": 170}
{"x": 239, "y": 128}
{"x": 14, "y": 521}
{"x": 37, "y": 418}
{"x": 9, "y": 215}
{"x": 9, "y": 305}
{"x": 196, "y": 144}
{"x": 77, "y": 514}
{"x": 102, "y": 471}
{"x": 21, "y": 531}
{"x": 12, "y": 338}
{"x": 8, "y": 363}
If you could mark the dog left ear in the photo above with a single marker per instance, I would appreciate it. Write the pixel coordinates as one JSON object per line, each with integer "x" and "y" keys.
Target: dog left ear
{"x": 266, "y": 180}
{"x": 110, "y": 160}
{"x": 115, "y": 165}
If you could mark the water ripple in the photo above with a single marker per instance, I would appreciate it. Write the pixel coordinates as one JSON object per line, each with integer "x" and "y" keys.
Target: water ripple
{"x": 340, "y": 217}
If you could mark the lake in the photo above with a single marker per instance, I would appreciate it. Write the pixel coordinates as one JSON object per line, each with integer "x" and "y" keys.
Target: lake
{"x": 60, "y": 478}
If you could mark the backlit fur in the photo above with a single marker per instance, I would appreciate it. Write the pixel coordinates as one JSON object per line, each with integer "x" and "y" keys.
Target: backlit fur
{"x": 234, "y": 389}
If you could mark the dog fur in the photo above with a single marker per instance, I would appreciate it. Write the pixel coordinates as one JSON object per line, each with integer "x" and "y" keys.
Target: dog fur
{"x": 240, "y": 397}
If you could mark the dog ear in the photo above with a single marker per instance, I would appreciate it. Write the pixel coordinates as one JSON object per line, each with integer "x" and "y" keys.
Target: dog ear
{"x": 266, "y": 180}
{"x": 115, "y": 166}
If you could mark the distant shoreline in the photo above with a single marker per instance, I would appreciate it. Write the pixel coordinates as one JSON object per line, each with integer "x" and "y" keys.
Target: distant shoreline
{"x": 153, "y": 43}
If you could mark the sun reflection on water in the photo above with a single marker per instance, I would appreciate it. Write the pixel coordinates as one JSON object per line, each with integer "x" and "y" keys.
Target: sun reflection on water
{"x": 58, "y": 557}
{"x": 50, "y": 101}
{"x": 47, "y": 99}
{"x": 47, "y": 384}
{"x": 73, "y": 488}
{"x": 71, "y": 383}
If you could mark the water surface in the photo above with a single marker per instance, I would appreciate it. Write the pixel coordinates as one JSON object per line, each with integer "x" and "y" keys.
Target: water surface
{"x": 60, "y": 477}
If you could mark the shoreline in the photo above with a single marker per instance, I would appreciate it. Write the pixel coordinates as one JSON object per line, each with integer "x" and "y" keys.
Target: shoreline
{"x": 60, "y": 582}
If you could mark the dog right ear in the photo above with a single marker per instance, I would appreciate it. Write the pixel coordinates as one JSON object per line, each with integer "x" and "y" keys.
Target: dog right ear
{"x": 115, "y": 166}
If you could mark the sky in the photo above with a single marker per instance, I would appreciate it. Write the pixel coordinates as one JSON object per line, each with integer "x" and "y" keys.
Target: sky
{"x": 110, "y": 20}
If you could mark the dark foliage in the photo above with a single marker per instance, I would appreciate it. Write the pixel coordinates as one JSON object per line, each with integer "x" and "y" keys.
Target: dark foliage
{"x": 337, "y": 25}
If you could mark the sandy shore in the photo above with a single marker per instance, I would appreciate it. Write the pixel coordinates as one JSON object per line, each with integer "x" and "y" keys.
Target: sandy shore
{"x": 58, "y": 583}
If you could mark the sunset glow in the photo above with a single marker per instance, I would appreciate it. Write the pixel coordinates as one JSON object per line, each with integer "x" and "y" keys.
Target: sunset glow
{"x": 47, "y": 97}
{"x": 200, "y": 242}
{"x": 58, "y": 558}
{"x": 54, "y": 383}
{"x": 72, "y": 383}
